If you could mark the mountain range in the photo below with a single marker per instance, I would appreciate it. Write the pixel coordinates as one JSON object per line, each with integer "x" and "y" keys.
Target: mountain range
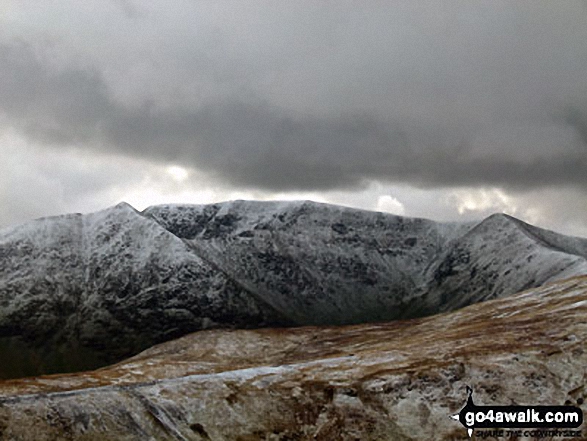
{"x": 80, "y": 291}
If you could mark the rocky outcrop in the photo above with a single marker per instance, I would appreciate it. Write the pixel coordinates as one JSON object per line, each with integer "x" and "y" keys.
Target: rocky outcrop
{"x": 389, "y": 381}
{"x": 80, "y": 291}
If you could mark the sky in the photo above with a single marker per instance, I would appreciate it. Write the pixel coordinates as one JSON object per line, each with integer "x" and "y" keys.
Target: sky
{"x": 450, "y": 110}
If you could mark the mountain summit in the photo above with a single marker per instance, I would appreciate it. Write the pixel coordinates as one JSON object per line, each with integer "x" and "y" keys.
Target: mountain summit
{"x": 78, "y": 291}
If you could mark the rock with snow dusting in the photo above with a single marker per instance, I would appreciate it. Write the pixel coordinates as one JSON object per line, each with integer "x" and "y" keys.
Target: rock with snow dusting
{"x": 393, "y": 381}
{"x": 78, "y": 291}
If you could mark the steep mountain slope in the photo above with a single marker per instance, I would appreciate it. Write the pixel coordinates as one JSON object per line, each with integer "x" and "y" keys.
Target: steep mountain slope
{"x": 390, "y": 381}
{"x": 78, "y": 291}
{"x": 108, "y": 284}
{"x": 497, "y": 257}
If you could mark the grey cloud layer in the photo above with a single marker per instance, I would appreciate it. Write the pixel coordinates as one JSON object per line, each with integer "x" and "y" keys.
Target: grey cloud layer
{"x": 402, "y": 99}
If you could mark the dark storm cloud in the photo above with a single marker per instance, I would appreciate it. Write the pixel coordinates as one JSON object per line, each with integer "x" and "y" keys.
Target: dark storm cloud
{"x": 251, "y": 144}
{"x": 468, "y": 97}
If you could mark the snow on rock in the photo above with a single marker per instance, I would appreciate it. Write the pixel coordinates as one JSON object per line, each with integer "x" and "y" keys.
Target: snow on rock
{"x": 79, "y": 291}
{"x": 389, "y": 381}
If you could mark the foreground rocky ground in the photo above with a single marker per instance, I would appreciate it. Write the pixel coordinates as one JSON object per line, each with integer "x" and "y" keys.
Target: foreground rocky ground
{"x": 389, "y": 381}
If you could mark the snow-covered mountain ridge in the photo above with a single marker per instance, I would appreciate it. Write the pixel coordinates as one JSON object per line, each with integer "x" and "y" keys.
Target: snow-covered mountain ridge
{"x": 108, "y": 284}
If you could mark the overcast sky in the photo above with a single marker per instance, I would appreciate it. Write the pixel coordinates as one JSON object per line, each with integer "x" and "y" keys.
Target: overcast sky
{"x": 450, "y": 110}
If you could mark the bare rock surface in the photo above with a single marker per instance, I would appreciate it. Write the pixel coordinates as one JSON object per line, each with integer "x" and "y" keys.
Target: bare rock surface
{"x": 82, "y": 291}
{"x": 386, "y": 381}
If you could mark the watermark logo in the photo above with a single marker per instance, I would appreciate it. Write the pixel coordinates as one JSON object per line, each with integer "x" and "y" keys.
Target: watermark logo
{"x": 501, "y": 418}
